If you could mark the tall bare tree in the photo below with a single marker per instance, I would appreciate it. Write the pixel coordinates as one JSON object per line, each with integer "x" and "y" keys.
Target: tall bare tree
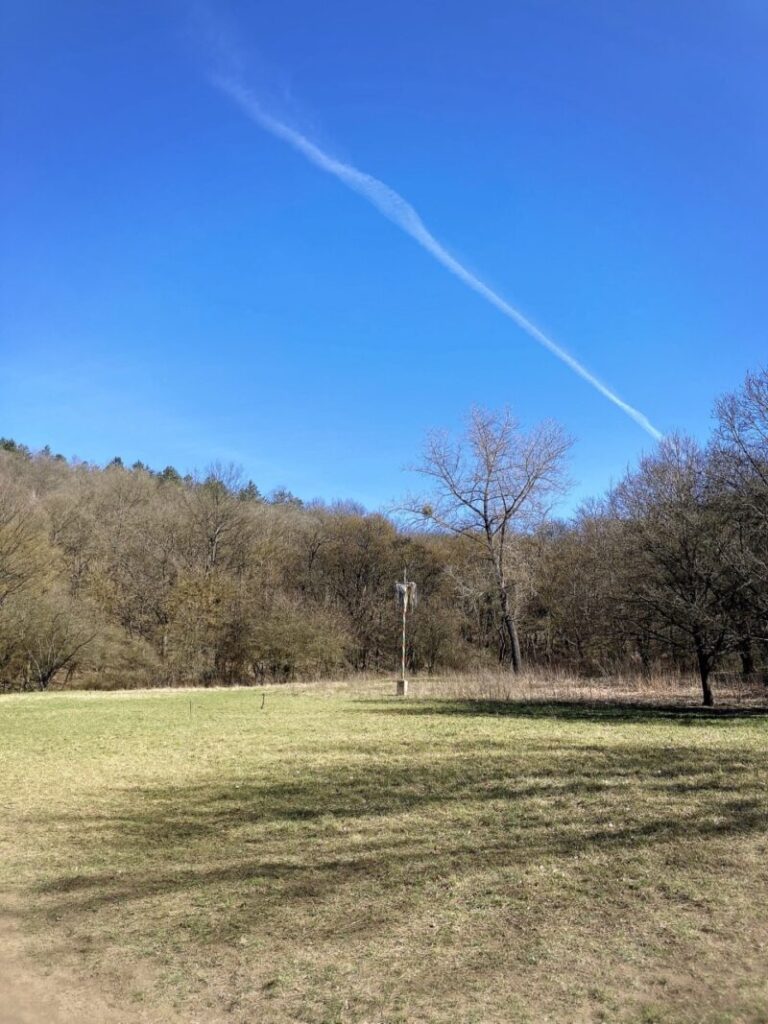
{"x": 677, "y": 554}
{"x": 24, "y": 552}
{"x": 740, "y": 457}
{"x": 493, "y": 482}
{"x": 742, "y": 433}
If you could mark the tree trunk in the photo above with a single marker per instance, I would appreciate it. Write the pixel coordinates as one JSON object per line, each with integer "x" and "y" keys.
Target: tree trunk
{"x": 511, "y": 629}
{"x": 704, "y": 670}
{"x": 517, "y": 661}
{"x": 747, "y": 658}
{"x": 580, "y": 651}
{"x": 645, "y": 657}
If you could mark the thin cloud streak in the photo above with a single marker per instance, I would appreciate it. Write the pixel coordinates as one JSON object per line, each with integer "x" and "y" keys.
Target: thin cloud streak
{"x": 400, "y": 212}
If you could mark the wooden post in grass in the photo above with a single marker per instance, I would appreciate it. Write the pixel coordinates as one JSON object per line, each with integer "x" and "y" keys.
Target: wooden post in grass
{"x": 405, "y": 593}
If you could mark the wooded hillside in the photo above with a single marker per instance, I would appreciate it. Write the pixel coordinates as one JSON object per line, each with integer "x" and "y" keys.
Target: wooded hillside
{"x": 122, "y": 576}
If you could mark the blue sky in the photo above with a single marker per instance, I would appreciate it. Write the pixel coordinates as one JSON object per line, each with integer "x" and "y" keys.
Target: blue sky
{"x": 179, "y": 286}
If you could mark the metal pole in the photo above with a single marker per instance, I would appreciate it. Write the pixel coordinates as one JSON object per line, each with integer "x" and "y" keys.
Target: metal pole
{"x": 405, "y": 612}
{"x": 402, "y": 686}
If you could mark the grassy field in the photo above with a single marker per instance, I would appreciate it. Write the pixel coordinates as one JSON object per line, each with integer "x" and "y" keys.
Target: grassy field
{"x": 344, "y": 858}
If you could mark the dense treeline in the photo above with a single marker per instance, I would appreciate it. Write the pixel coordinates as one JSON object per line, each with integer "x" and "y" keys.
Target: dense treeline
{"x": 121, "y": 576}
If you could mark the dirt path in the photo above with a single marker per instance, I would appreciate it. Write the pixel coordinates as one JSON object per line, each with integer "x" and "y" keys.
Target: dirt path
{"x": 30, "y": 994}
{"x": 27, "y": 997}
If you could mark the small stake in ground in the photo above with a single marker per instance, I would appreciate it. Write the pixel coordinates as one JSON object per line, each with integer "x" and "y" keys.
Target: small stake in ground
{"x": 405, "y": 593}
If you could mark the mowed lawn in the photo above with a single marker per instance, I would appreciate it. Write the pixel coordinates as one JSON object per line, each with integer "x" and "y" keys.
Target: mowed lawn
{"x": 344, "y": 857}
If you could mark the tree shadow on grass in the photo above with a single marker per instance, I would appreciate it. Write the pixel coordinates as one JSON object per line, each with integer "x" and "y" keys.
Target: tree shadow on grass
{"x": 393, "y": 823}
{"x": 604, "y": 712}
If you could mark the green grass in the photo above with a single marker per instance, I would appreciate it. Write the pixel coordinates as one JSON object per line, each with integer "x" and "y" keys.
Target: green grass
{"x": 353, "y": 859}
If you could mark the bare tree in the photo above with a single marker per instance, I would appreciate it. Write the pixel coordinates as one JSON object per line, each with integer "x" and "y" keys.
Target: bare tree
{"x": 495, "y": 481}
{"x": 51, "y": 631}
{"x": 740, "y": 456}
{"x": 218, "y": 516}
{"x": 677, "y": 554}
{"x": 742, "y": 433}
{"x": 24, "y": 552}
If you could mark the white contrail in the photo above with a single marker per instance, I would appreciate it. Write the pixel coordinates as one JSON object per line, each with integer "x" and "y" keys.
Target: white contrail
{"x": 396, "y": 209}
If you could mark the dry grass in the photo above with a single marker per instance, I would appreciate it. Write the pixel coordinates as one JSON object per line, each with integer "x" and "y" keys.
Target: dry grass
{"x": 342, "y": 857}
{"x": 678, "y": 690}
{"x": 536, "y": 686}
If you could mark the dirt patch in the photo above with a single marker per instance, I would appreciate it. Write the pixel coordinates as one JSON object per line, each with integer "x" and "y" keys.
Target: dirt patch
{"x": 33, "y": 994}
{"x": 30, "y": 997}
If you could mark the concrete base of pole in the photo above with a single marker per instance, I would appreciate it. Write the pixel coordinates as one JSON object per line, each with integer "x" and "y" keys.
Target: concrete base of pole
{"x": 402, "y": 688}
